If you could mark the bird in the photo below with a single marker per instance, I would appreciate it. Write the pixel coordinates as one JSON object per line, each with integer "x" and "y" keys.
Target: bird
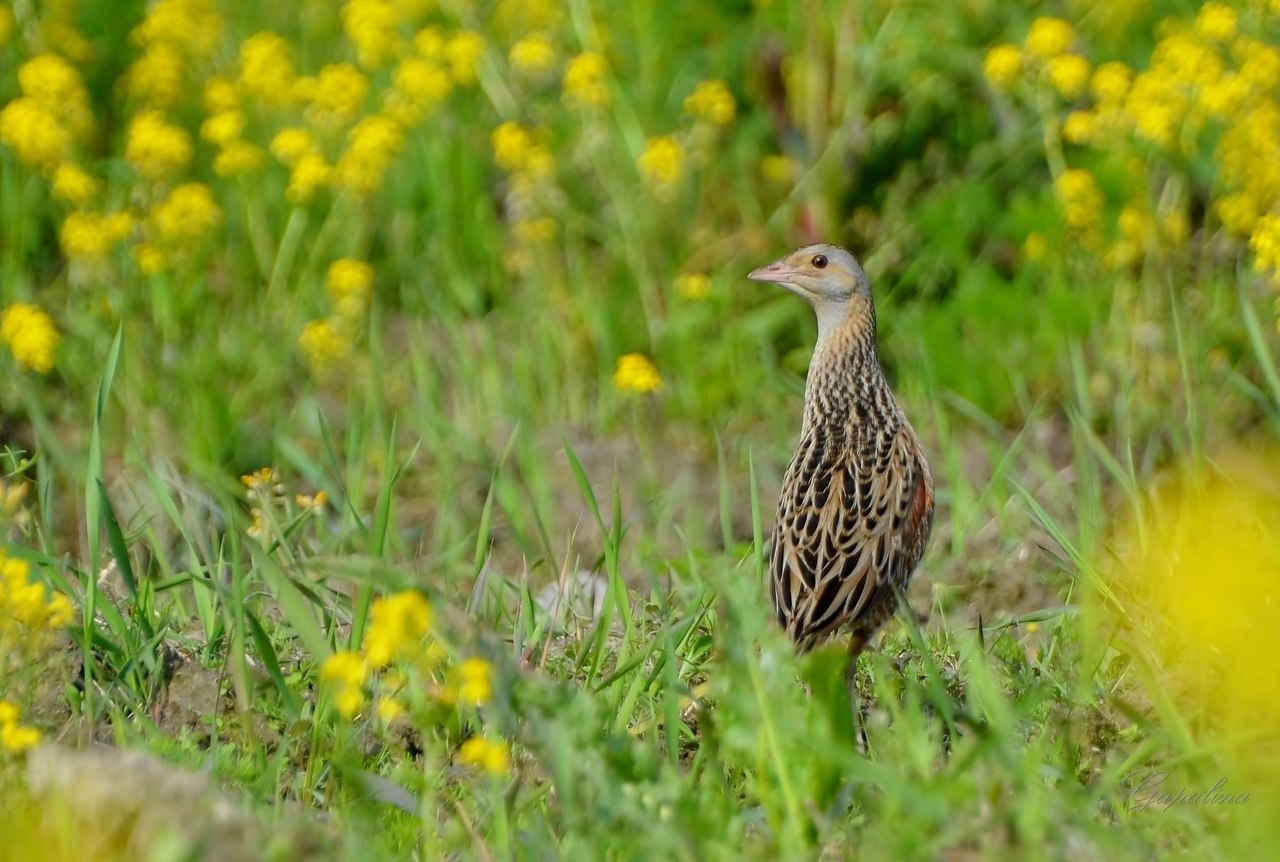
{"x": 857, "y": 500}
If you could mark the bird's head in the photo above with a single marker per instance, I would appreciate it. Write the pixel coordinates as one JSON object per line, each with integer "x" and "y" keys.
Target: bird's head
{"x": 829, "y": 278}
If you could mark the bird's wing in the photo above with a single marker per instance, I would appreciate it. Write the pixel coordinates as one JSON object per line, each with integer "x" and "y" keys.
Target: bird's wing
{"x": 851, "y": 529}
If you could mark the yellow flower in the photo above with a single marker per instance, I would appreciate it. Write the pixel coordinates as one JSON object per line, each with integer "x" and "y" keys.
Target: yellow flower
{"x": 261, "y": 480}
{"x": 373, "y": 145}
{"x": 389, "y": 709}
{"x": 1155, "y": 106}
{"x": 474, "y": 681}
{"x": 1081, "y": 201}
{"x": 512, "y": 144}
{"x": 1034, "y": 247}
{"x": 6, "y": 24}
{"x": 238, "y": 157}
{"x": 1265, "y": 242}
{"x": 72, "y": 184}
{"x": 194, "y": 26}
{"x": 491, "y": 755}
{"x": 536, "y": 231}
{"x": 371, "y": 27}
{"x": 397, "y": 626}
{"x": 1238, "y": 211}
{"x": 420, "y": 85}
{"x": 635, "y": 373}
{"x": 220, "y": 95}
{"x": 222, "y": 128}
{"x": 430, "y": 43}
{"x": 150, "y": 259}
{"x": 312, "y": 502}
{"x": 189, "y": 213}
{"x": 36, "y": 136}
{"x": 55, "y": 85}
{"x": 350, "y": 282}
{"x": 712, "y": 101}
{"x": 90, "y": 235}
{"x": 693, "y": 285}
{"x": 266, "y": 68}
{"x": 1216, "y": 21}
{"x": 15, "y": 738}
{"x": 1079, "y": 127}
{"x": 1002, "y": 66}
{"x": 463, "y": 50}
{"x": 662, "y": 162}
{"x": 31, "y": 338}
{"x": 158, "y": 77}
{"x": 291, "y": 144}
{"x": 309, "y": 174}
{"x": 1069, "y": 74}
{"x": 584, "y": 80}
{"x": 1111, "y": 82}
{"x": 325, "y": 344}
{"x": 154, "y": 148}
{"x": 533, "y": 55}
{"x": 346, "y": 671}
{"x": 1049, "y": 37}
{"x": 777, "y": 168}
{"x": 339, "y": 92}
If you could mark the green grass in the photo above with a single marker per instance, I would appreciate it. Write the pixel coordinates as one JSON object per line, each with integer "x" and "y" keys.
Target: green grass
{"x": 472, "y": 446}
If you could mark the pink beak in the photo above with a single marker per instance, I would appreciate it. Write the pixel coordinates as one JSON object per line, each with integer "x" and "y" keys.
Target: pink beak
{"x": 774, "y": 272}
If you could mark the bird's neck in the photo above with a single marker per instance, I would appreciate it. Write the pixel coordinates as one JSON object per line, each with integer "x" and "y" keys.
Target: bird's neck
{"x": 844, "y": 367}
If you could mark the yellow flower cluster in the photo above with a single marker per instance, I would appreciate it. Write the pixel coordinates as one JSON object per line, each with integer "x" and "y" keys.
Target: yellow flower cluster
{"x": 693, "y": 285}
{"x": 1080, "y": 200}
{"x": 711, "y": 101}
{"x": 173, "y": 33}
{"x": 154, "y": 147}
{"x": 534, "y": 55}
{"x": 662, "y": 163}
{"x": 1046, "y": 51}
{"x": 327, "y": 343}
{"x": 350, "y": 284}
{"x": 491, "y": 755}
{"x": 30, "y": 335}
{"x": 15, "y": 737}
{"x": 53, "y": 110}
{"x": 90, "y": 236}
{"x": 636, "y": 373}
{"x": 584, "y": 80}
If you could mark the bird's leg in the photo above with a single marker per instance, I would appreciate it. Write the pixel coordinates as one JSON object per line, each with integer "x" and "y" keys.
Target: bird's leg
{"x": 856, "y": 644}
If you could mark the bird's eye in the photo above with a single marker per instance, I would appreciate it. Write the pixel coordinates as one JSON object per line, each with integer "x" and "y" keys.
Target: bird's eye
{"x": 820, "y": 261}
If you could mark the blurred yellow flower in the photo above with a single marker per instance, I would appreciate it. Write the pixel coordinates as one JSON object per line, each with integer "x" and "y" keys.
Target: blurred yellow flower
{"x": 491, "y": 755}
{"x": 1216, "y": 21}
{"x": 154, "y": 147}
{"x": 389, "y": 709}
{"x": 7, "y": 24}
{"x": 325, "y": 345}
{"x": 474, "y": 678}
{"x": 238, "y": 157}
{"x": 340, "y": 90}
{"x": 150, "y": 260}
{"x": 266, "y": 68}
{"x": 662, "y": 162}
{"x": 1079, "y": 127}
{"x": 1049, "y": 37}
{"x": 777, "y": 168}
{"x": 533, "y": 55}
{"x": 32, "y": 338}
{"x": 291, "y": 144}
{"x": 220, "y": 95}
{"x": 1035, "y": 246}
{"x": 398, "y": 624}
{"x": 1265, "y": 242}
{"x": 1068, "y": 74}
{"x": 56, "y": 85}
{"x": 430, "y": 43}
{"x": 222, "y": 128}
{"x": 420, "y": 85}
{"x": 512, "y": 144}
{"x": 310, "y": 173}
{"x": 535, "y": 231}
{"x": 693, "y": 285}
{"x": 193, "y": 26}
{"x": 1080, "y": 199}
{"x": 463, "y": 50}
{"x": 36, "y": 136}
{"x": 636, "y": 373}
{"x": 371, "y": 27}
{"x": 188, "y": 213}
{"x": 158, "y": 77}
{"x": 15, "y": 738}
{"x": 584, "y": 83}
{"x": 1196, "y": 576}
{"x": 72, "y": 184}
{"x": 90, "y": 236}
{"x": 1002, "y": 66}
{"x": 711, "y": 101}
{"x": 1111, "y": 82}
{"x": 372, "y": 145}
{"x": 350, "y": 283}
{"x": 346, "y": 671}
